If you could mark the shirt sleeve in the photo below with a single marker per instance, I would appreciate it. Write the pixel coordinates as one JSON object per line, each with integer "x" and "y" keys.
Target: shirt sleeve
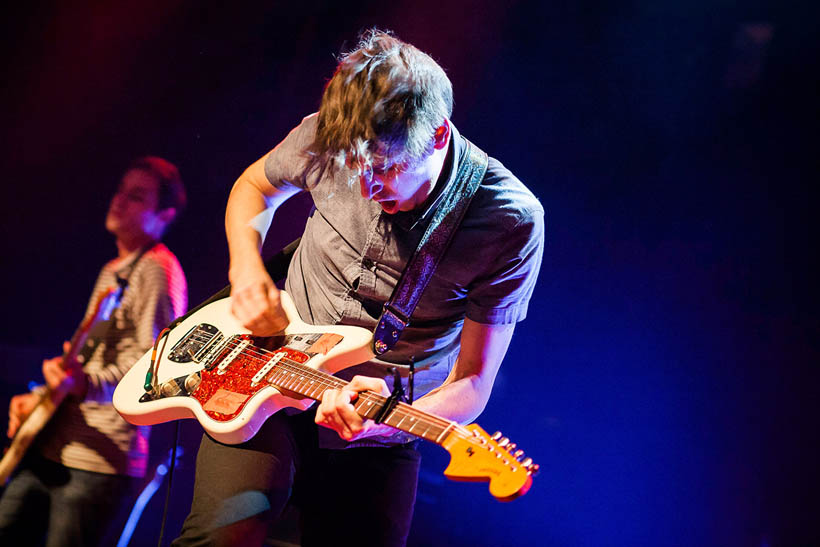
{"x": 502, "y": 294}
{"x": 285, "y": 165}
{"x": 157, "y": 296}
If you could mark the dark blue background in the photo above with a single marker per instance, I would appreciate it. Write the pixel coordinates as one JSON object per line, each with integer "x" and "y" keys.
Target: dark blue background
{"x": 666, "y": 378}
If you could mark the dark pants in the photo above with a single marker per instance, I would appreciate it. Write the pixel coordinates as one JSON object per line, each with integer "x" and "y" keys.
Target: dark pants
{"x": 69, "y": 506}
{"x": 361, "y": 496}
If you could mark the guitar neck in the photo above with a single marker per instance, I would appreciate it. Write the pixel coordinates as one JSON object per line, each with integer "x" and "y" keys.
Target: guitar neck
{"x": 312, "y": 383}
{"x": 102, "y": 311}
{"x": 74, "y": 348}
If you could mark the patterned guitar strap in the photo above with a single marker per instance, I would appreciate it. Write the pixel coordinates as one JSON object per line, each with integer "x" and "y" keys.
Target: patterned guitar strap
{"x": 99, "y": 330}
{"x": 397, "y": 311}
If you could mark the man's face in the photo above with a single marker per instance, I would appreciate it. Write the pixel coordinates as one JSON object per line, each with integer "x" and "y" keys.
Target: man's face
{"x": 402, "y": 186}
{"x": 133, "y": 210}
{"x": 399, "y": 187}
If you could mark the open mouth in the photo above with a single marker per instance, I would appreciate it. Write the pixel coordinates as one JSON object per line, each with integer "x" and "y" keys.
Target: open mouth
{"x": 389, "y": 206}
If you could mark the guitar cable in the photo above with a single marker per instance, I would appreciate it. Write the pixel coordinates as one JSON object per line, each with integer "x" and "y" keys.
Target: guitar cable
{"x": 151, "y": 383}
{"x": 171, "y": 468}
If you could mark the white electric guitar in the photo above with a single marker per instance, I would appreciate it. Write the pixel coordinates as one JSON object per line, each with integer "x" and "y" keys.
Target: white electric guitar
{"x": 231, "y": 382}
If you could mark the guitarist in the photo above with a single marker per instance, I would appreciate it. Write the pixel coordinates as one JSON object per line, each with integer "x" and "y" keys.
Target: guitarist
{"x": 376, "y": 159}
{"x": 80, "y": 467}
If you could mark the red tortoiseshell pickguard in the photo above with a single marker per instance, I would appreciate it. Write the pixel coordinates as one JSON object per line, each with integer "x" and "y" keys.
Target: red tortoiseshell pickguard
{"x": 223, "y": 396}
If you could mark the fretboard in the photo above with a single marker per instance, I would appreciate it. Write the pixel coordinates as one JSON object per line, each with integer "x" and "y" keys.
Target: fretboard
{"x": 311, "y": 383}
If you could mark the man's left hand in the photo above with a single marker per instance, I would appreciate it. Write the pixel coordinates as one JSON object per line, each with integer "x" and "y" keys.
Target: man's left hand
{"x": 336, "y": 411}
{"x": 71, "y": 380}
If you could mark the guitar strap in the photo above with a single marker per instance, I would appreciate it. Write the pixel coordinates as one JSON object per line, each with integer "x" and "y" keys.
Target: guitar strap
{"x": 397, "y": 311}
{"x": 125, "y": 272}
{"x": 399, "y": 308}
{"x": 98, "y": 332}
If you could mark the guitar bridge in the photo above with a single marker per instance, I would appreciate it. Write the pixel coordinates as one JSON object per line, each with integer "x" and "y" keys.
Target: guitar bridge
{"x": 196, "y": 344}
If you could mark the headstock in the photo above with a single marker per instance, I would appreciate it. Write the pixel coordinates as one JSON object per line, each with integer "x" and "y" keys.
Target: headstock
{"x": 477, "y": 456}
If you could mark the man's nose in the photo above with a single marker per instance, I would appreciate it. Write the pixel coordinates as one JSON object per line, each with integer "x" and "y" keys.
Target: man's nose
{"x": 370, "y": 187}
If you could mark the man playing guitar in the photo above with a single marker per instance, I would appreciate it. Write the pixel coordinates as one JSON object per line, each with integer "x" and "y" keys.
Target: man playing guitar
{"x": 376, "y": 159}
{"x": 81, "y": 464}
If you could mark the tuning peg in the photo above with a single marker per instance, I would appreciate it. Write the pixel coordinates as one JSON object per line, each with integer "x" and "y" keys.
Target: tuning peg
{"x": 517, "y": 454}
{"x": 479, "y": 437}
{"x": 527, "y": 462}
{"x": 503, "y": 442}
{"x": 510, "y": 447}
{"x": 496, "y": 436}
{"x": 533, "y": 468}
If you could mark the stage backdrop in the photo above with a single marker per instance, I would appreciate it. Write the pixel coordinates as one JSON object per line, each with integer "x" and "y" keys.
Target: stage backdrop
{"x": 665, "y": 379}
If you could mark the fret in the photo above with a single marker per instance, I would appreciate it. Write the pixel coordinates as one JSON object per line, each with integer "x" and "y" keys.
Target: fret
{"x": 267, "y": 367}
{"x": 369, "y": 407}
{"x": 300, "y": 383}
{"x": 363, "y": 406}
{"x": 440, "y": 438}
{"x": 312, "y": 383}
{"x": 275, "y": 376}
{"x": 417, "y": 421}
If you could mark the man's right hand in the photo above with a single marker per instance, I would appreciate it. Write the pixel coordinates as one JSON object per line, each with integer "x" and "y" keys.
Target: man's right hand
{"x": 19, "y": 409}
{"x": 255, "y": 299}
{"x": 255, "y": 302}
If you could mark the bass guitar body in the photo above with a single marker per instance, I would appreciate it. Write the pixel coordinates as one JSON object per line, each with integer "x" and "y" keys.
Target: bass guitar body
{"x": 50, "y": 399}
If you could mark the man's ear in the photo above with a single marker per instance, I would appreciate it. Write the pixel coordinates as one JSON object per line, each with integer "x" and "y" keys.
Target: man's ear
{"x": 442, "y": 135}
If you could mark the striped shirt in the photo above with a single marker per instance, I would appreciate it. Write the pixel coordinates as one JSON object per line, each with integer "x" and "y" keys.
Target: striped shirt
{"x": 90, "y": 434}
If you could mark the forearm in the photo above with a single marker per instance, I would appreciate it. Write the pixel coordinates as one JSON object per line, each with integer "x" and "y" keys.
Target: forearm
{"x": 248, "y": 215}
{"x": 244, "y": 239}
{"x": 465, "y": 392}
{"x": 461, "y": 401}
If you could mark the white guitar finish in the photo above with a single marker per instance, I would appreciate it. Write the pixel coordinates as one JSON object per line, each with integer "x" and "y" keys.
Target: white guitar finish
{"x": 239, "y": 381}
{"x": 354, "y": 348}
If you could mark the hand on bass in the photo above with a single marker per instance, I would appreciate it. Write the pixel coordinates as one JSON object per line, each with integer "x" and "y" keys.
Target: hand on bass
{"x": 19, "y": 409}
{"x": 70, "y": 380}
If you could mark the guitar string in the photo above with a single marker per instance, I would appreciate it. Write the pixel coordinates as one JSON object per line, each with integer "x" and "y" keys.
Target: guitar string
{"x": 328, "y": 381}
{"x": 331, "y": 382}
{"x": 287, "y": 365}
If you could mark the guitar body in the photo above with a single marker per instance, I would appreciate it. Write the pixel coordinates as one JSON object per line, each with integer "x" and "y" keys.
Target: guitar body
{"x": 226, "y": 400}
{"x": 50, "y": 399}
{"x": 231, "y": 382}
{"x": 28, "y": 431}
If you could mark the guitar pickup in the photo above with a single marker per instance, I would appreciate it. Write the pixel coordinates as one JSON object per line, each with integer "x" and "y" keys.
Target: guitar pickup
{"x": 259, "y": 376}
{"x": 241, "y": 344}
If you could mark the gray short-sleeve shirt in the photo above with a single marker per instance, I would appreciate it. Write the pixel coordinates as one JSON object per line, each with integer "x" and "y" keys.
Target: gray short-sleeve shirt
{"x": 352, "y": 255}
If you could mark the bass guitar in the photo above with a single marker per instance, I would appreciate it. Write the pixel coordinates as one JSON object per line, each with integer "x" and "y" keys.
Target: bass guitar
{"x": 231, "y": 382}
{"x": 50, "y": 399}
